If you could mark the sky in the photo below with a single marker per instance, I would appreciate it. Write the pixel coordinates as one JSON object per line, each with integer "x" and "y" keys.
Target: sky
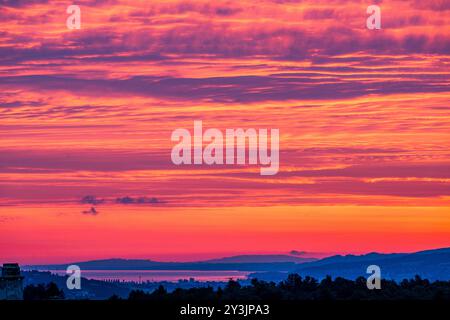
{"x": 364, "y": 121}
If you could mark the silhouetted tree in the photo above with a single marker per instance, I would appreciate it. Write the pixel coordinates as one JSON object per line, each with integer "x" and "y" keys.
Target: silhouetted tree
{"x": 43, "y": 292}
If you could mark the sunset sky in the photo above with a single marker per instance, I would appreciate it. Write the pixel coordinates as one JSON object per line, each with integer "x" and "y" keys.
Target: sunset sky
{"x": 364, "y": 120}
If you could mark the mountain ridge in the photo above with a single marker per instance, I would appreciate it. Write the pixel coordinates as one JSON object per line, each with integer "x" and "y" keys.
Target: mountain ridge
{"x": 239, "y": 262}
{"x": 433, "y": 264}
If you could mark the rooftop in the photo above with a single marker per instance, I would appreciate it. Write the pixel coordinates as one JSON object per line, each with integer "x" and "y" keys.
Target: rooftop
{"x": 10, "y": 270}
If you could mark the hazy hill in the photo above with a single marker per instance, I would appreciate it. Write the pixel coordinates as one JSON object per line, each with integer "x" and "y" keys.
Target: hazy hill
{"x": 261, "y": 259}
{"x": 238, "y": 263}
{"x": 429, "y": 264}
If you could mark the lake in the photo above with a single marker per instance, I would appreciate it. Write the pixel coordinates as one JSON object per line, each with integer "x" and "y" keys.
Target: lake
{"x": 159, "y": 275}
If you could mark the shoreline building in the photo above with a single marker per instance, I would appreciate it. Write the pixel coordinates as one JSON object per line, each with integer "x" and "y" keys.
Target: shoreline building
{"x": 11, "y": 282}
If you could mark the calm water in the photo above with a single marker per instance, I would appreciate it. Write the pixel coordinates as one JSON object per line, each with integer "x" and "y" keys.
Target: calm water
{"x": 159, "y": 275}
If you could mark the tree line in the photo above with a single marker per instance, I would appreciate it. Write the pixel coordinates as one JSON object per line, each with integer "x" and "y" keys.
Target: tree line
{"x": 294, "y": 287}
